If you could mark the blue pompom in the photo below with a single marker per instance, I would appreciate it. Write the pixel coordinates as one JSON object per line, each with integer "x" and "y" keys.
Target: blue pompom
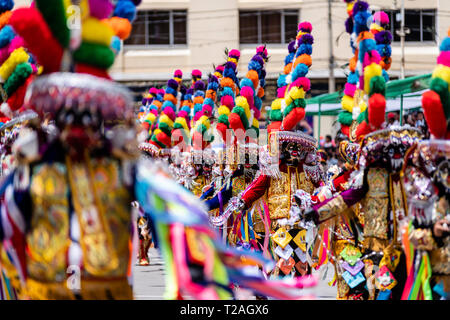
{"x": 171, "y": 91}
{"x": 384, "y": 50}
{"x": 254, "y": 65}
{"x": 281, "y": 82}
{"x": 186, "y": 108}
{"x": 125, "y": 9}
{"x": 116, "y": 45}
{"x": 227, "y": 91}
{"x": 300, "y": 71}
{"x": 289, "y": 58}
{"x": 445, "y": 45}
{"x": 6, "y": 5}
{"x": 6, "y": 35}
{"x": 209, "y": 101}
{"x": 246, "y": 82}
{"x": 385, "y": 75}
{"x": 168, "y": 104}
{"x": 213, "y": 86}
{"x": 366, "y": 46}
{"x": 361, "y": 21}
{"x": 197, "y": 107}
{"x": 352, "y": 78}
{"x": 258, "y": 103}
{"x": 304, "y": 48}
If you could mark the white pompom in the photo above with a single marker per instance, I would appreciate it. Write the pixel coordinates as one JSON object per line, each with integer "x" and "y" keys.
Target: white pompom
{"x": 289, "y": 79}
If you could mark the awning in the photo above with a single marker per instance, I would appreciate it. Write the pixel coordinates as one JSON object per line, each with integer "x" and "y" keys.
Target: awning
{"x": 407, "y": 92}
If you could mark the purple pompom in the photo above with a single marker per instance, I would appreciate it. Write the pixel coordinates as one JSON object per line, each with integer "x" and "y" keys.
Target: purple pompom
{"x": 259, "y": 59}
{"x": 137, "y": 2}
{"x": 291, "y": 46}
{"x": 307, "y": 38}
{"x": 199, "y": 85}
{"x": 230, "y": 65}
{"x": 349, "y": 25}
{"x": 383, "y": 37}
{"x": 172, "y": 84}
{"x": 360, "y": 6}
{"x": 190, "y": 91}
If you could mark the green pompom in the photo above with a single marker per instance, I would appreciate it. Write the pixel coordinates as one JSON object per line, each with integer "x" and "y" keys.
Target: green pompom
{"x": 160, "y": 144}
{"x": 441, "y": 87}
{"x": 275, "y": 115}
{"x": 54, "y": 14}
{"x": 345, "y": 118}
{"x": 223, "y": 119}
{"x": 95, "y": 55}
{"x": 377, "y": 85}
{"x": 299, "y": 103}
{"x": 17, "y": 78}
{"x": 288, "y": 109}
{"x": 165, "y": 128}
{"x": 363, "y": 116}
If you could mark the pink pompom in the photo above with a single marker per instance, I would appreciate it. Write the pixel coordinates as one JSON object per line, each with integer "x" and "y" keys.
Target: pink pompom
{"x": 263, "y": 50}
{"x": 444, "y": 58}
{"x": 234, "y": 53}
{"x": 154, "y": 111}
{"x": 227, "y": 101}
{"x": 381, "y": 18}
{"x": 100, "y": 9}
{"x": 153, "y": 91}
{"x": 281, "y": 92}
{"x": 182, "y": 114}
{"x": 178, "y": 74}
{"x": 170, "y": 113}
{"x": 374, "y": 57}
{"x": 196, "y": 73}
{"x": 301, "y": 83}
{"x": 207, "y": 110}
{"x": 161, "y": 92}
{"x": 305, "y": 26}
{"x": 6, "y": 51}
{"x": 247, "y": 92}
{"x": 349, "y": 89}
{"x": 361, "y": 82}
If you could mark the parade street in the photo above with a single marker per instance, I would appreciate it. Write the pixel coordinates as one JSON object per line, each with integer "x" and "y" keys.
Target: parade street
{"x": 149, "y": 281}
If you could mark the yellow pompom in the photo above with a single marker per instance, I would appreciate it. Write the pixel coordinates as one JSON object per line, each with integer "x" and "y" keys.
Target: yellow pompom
{"x": 182, "y": 121}
{"x": 242, "y": 102}
{"x": 95, "y": 31}
{"x": 255, "y": 123}
{"x": 40, "y": 70}
{"x": 371, "y": 71}
{"x": 150, "y": 117}
{"x": 223, "y": 110}
{"x": 442, "y": 72}
{"x": 165, "y": 119}
{"x": 276, "y": 104}
{"x": 17, "y": 57}
{"x": 362, "y": 106}
{"x": 297, "y": 93}
{"x": 157, "y": 131}
{"x": 347, "y": 103}
{"x": 376, "y": 27}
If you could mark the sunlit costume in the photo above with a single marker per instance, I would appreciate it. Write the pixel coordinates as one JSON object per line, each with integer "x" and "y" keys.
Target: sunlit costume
{"x": 427, "y": 183}
{"x": 66, "y": 208}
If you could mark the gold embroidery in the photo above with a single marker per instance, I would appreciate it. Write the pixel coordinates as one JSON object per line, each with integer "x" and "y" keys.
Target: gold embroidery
{"x": 376, "y": 204}
{"x": 278, "y": 198}
{"x": 332, "y": 208}
{"x": 48, "y": 239}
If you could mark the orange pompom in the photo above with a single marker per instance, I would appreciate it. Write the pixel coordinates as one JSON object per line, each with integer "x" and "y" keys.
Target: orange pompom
{"x": 157, "y": 103}
{"x": 4, "y": 18}
{"x": 274, "y": 126}
{"x": 210, "y": 94}
{"x": 304, "y": 58}
{"x": 352, "y": 63}
{"x": 227, "y": 82}
{"x": 365, "y": 35}
{"x": 198, "y": 99}
{"x": 377, "y": 110}
{"x": 253, "y": 75}
{"x": 260, "y": 92}
{"x": 434, "y": 114}
{"x": 121, "y": 26}
{"x": 288, "y": 68}
{"x": 171, "y": 98}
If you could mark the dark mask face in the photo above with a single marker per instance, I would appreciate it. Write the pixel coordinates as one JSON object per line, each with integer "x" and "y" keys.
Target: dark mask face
{"x": 292, "y": 154}
{"x": 80, "y": 130}
{"x": 442, "y": 177}
{"x": 394, "y": 155}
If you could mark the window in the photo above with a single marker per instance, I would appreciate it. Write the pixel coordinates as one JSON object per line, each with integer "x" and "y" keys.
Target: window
{"x": 159, "y": 28}
{"x": 421, "y": 24}
{"x": 270, "y": 26}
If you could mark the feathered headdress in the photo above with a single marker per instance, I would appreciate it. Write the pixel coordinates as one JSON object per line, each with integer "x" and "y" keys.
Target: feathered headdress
{"x": 436, "y": 102}
{"x": 229, "y": 90}
{"x": 248, "y": 105}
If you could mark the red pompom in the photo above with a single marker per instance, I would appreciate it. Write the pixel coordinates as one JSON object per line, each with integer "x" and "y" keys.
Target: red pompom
{"x": 222, "y": 129}
{"x": 85, "y": 68}
{"x": 164, "y": 139}
{"x": 235, "y": 122}
{"x": 362, "y": 129}
{"x": 31, "y": 26}
{"x": 293, "y": 118}
{"x": 377, "y": 109}
{"x": 145, "y": 125}
{"x": 434, "y": 114}
{"x": 15, "y": 101}
{"x": 345, "y": 130}
{"x": 274, "y": 126}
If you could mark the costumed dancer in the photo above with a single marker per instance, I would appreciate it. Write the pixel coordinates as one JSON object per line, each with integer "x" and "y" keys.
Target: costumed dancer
{"x": 426, "y": 236}
{"x": 74, "y": 163}
{"x": 297, "y": 168}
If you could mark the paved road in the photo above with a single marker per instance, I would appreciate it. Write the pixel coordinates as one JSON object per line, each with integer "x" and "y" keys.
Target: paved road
{"x": 149, "y": 281}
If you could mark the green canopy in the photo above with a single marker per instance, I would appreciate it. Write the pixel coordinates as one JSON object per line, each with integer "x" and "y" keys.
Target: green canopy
{"x": 400, "y": 94}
